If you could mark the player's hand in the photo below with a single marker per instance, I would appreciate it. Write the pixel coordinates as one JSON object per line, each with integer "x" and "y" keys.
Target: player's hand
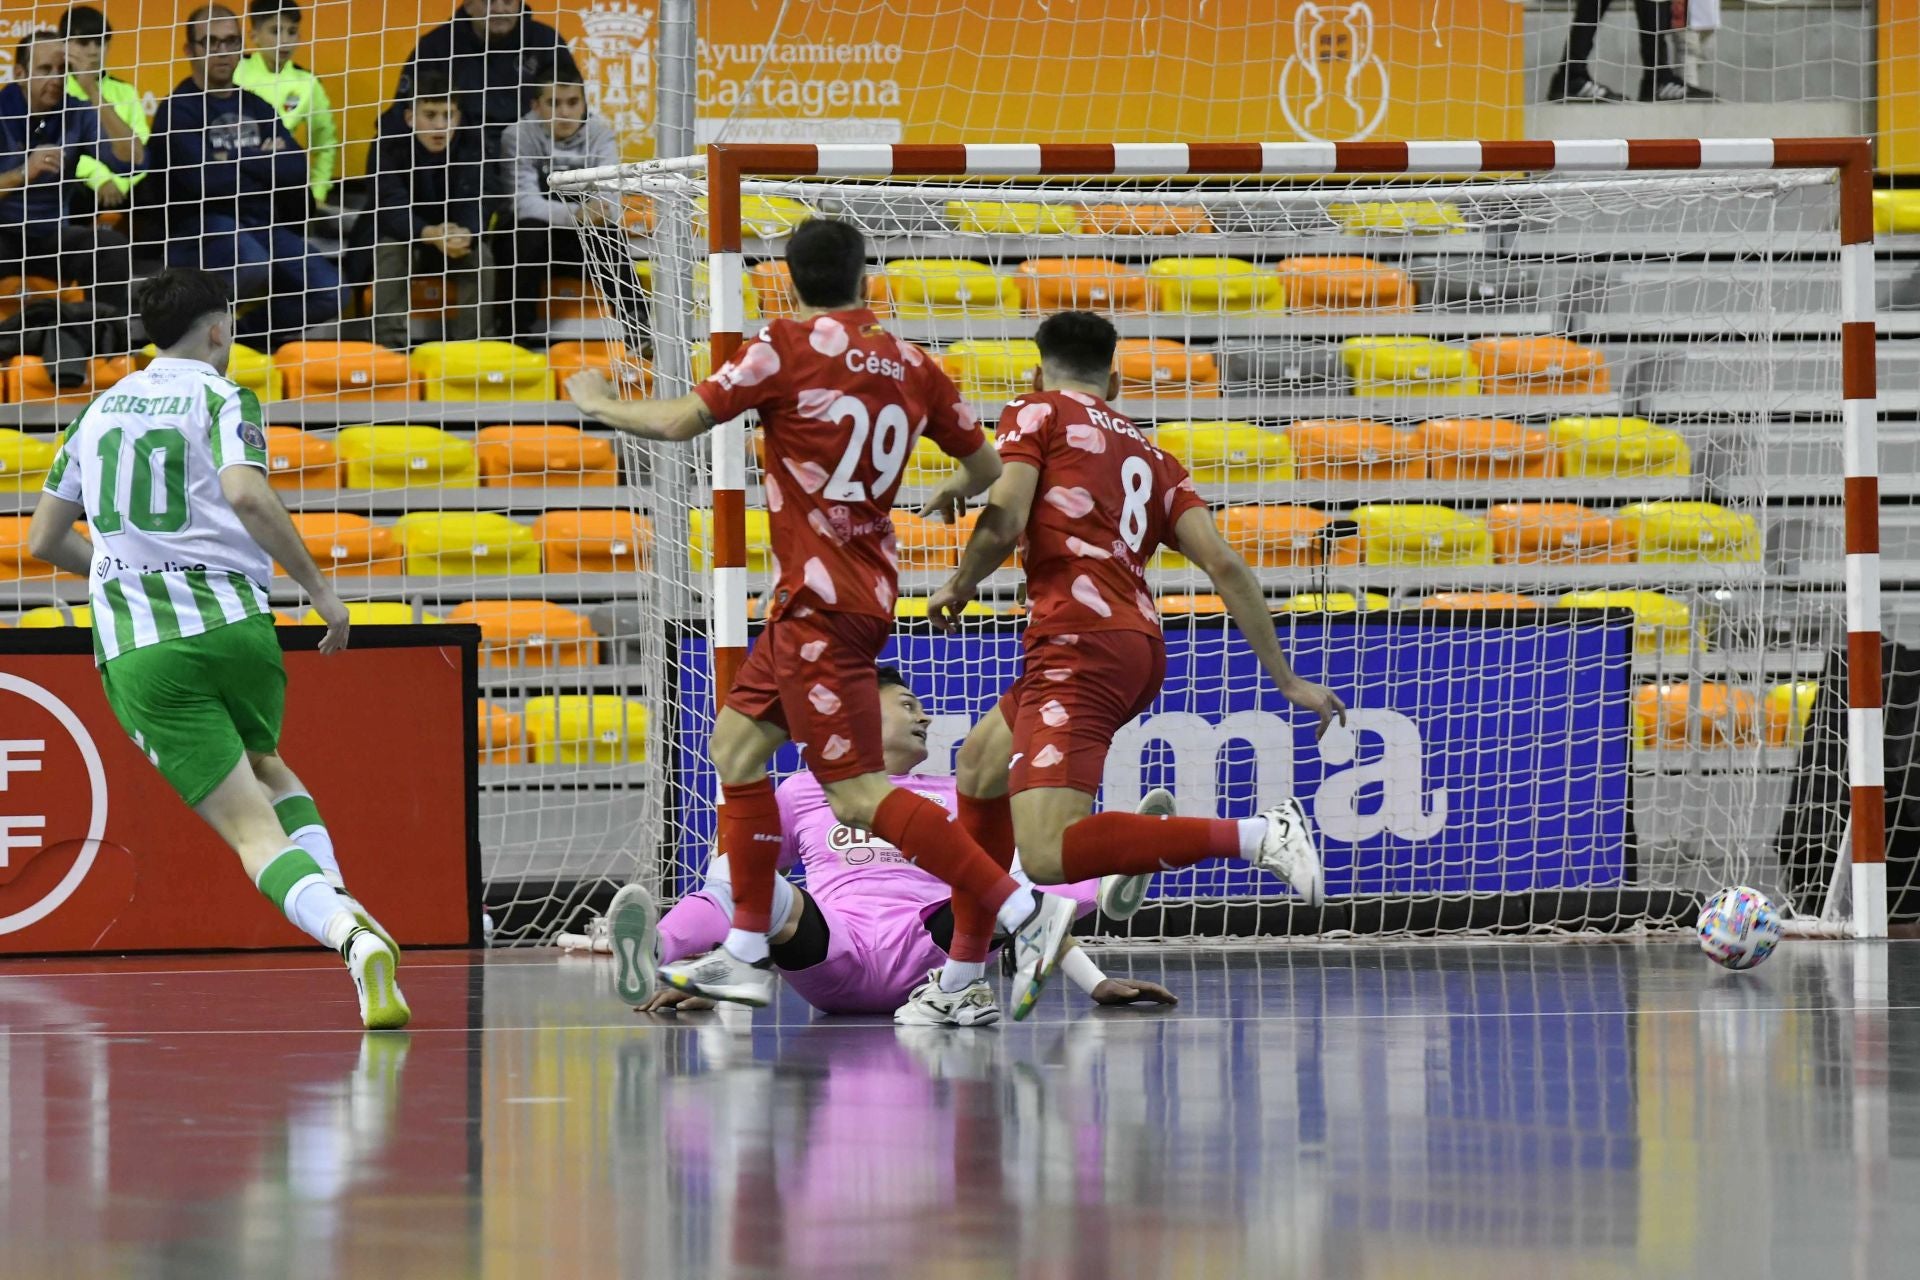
{"x": 334, "y": 614}
{"x": 1319, "y": 699}
{"x": 590, "y": 389}
{"x": 670, "y": 1000}
{"x": 947, "y": 503}
{"x": 945, "y": 606}
{"x": 1132, "y": 991}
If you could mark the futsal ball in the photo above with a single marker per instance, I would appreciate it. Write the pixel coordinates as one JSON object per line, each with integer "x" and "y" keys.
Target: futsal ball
{"x": 1739, "y": 928}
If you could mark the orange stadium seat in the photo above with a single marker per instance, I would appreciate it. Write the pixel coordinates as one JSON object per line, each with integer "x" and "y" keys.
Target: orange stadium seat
{"x": 1555, "y": 533}
{"x": 299, "y": 459}
{"x": 963, "y": 530}
{"x": 1191, "y": 606}
{"x": 17, "y": 292}
{"x": 1275, "y": 534}
{"x": 1479, "y": 600}
{"x": 351, "y": 371}
{"x": 924, "y": 543}
{"x": 538, "y": 456}
{"x": 1086, "y": 284}
{"x": 15, "y": 560}
{"x": 426, "y": 298}
{"x": 529, "y": 633}
{"x": 503, "y": 738}
{"x": 1143, "y": 220}
{"x": 773, "y": 285}
{"x": 573, "y": 298}
{"x": 1164, "y": 367}
{"x": 1484, "y": 449}
{"x": 1728, "y": 716}
{"x": 1355, "y": 449}
{"x": 1320, "y": 285}
{"x": 610, "y": 358}
{"x": 343, "y": 543}
{"x": 594, "y": 541}
{"x": 1539, "y": 366}
{"x": 28, "y": 381}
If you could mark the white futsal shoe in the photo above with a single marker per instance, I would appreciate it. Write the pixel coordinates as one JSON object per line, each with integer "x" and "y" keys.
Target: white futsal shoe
{"x": 1121, "y": 896}
{"x": 371, "y": 962}
{"x": 1287, "y": 851}
{"x": 1036, "y": 949}
{"x": 929, "y": 1006}
{"x": 632, "y": 923}
{"x": 720, "y": 975}
{"x": 364, "y": 918}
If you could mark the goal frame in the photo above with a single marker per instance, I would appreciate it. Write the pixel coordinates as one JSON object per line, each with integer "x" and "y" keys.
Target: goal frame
{"x": 729, "y": 165}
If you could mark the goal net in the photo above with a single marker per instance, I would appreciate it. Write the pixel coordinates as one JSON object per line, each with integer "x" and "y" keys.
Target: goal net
{"x": 1541, "y": 457}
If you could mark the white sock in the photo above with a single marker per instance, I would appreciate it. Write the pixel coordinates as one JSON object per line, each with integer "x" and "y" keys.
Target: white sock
{"x": 310, "y": 835}
{"x": 746, "y": 946}
{"x": 317, "y": 907}
{"x": 958, "y": 975}
{"x": 1252, "y": 832}
{"x": 1014, "y": 911}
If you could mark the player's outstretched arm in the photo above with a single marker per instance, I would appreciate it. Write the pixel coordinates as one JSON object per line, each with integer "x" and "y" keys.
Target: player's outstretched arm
{"x": 51, "y": 536}
{"x": 266, "y": 521}
{"x": 1200, "y": 542}
{"x": 681, "y": 418}
{"x": 993, "y": 539}
{"x": 979, "y": 472}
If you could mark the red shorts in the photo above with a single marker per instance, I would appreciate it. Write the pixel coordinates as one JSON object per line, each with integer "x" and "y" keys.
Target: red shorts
{"x": 814, "y": 677}
{"x": 1073, "y": 695}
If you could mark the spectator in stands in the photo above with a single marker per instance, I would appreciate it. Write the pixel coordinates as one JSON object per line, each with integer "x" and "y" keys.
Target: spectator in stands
{"x": 557, "y": 133}
{"x": 236, "y": 189}
{"x": 86, "y": 32}
{"x": 427, "y": 218}
{"x": 487, "y": 51}
{"x": 273, "y": 29}
{"x": 44, "y": 135}
{"x": 1660, "y": 78}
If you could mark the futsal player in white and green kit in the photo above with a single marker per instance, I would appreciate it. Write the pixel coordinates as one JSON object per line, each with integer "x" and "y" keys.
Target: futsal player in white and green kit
{"x": 169, "y": 467}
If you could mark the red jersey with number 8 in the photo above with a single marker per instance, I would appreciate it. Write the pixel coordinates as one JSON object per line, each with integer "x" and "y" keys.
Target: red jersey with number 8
{"x": 1107, "y": 500}
{"x": 842, "y": 403}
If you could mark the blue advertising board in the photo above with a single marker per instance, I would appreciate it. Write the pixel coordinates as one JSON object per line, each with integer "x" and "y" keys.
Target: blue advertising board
{"x": 1483, "y": 753}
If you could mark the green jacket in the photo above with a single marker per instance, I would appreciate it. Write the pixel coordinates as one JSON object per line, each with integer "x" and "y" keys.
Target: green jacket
{"x": 126, "y": 103}
{"x": 297, "y": 94}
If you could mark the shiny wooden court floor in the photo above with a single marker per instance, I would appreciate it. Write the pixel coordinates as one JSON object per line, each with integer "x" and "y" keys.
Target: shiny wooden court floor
{"x": 1480, "y": 1110}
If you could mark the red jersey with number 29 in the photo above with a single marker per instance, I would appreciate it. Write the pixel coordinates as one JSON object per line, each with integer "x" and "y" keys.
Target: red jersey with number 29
{"x": 1106, "y": 501}
{"x": 842, "y": 403}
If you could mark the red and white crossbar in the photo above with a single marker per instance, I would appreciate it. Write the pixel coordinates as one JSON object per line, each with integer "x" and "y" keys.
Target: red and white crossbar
{"x": 1850, "y": 158}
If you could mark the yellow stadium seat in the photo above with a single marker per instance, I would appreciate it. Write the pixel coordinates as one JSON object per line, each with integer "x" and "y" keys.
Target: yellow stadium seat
{"x": 1209, "y": 286}
{"x": 1540, "y": 366}
{"x": 1689, "y": 532}
{"x": 989, "y": 370}
{"x": 1355, "y": 449}
{"x": 256, "y": 371}
{"x": 594, "y": 541}
{"x": 1484, "y": 449}
{"x": 375, "y": 613}
{"x": 25, "y": 460}
{"x": 1417, "y": 217}
{"x": 1728, "y": 716}
{"x": 1602, "y": 447}
{"x": 924, "y": 288}
{"x": 1165, "y": 367}
{"x": 1788, "y": 709}
{"x": 1321, "y": 285}
{"x": 599, "y": 728}
{"x": 1275, "y": 534}
{"x": 929, "y": 464}
{"x": 762, "y": 217}
{"x": 539, "y": 456}
{"x": 399, "y": 457}
{"x": 529, "y": 633}
{"x": 53, "y": 615}
{"x": 1498, "y": 600}
{"x": 351, "y": 371}
{"x": 1084, "y": 284}
{"x": 440, "y": 543}
{"x": 480, "y": 371}
{"x": 703, "y": 290}
{"x": 916, "y": 607}
{"x": 1334, "y": 602}
{"x": 1420, "y": 534}
{"x": 1144, "y": 220}
{"x": 1555, "y": 533}
{"x": 502, "y": 735}
{"x": 1408, "y": 367}
{"x": 700, "y": 540}
{"x": 1661, "y": 624}
{"x": 1227, "y": 452}
{"x": 1012, "y": 218}
{"x": 1896, "y": 212}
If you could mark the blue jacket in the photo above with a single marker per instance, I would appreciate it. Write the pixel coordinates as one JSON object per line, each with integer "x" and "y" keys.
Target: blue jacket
{"x": 217, "y": 156}
{"x": 74, "y": 127}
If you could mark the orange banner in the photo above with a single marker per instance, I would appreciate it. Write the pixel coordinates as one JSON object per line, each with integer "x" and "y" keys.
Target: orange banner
{"x": 1899, "y": 45}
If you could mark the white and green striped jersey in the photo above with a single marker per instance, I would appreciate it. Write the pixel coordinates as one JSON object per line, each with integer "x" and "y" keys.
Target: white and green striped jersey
{"x": 170, "y": 557}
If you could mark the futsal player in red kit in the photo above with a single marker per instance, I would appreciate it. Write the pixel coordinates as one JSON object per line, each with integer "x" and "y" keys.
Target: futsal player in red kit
{"x": 1092, "y": 499}
{"x": 842, "y": 403}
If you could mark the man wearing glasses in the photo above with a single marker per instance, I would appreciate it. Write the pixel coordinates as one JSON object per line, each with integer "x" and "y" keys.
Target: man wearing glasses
{"x": 236, "y": 190}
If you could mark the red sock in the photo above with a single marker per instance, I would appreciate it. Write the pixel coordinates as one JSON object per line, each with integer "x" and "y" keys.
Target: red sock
{"x": 750, "y": 837}
{"x": 937, "y": 844}
{"x": 1137, "y": 844}
{"x": 990, "y": 823}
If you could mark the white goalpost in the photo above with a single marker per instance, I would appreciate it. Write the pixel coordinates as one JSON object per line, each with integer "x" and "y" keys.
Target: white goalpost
{"x": 1556, "y": 459}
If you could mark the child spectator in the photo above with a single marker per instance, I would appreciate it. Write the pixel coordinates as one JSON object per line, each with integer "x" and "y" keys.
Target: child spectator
{"x": 428, "y": 216}
{"x": 44, "y": 135}
{"x": 486, "y": 52}
{"x": 86, "y": 32}
{"x": 557, "y": 134}
{"x": 273, "y": 28}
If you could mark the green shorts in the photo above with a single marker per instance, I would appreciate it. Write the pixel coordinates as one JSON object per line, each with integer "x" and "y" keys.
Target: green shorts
{"x": 196, "y": 705}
